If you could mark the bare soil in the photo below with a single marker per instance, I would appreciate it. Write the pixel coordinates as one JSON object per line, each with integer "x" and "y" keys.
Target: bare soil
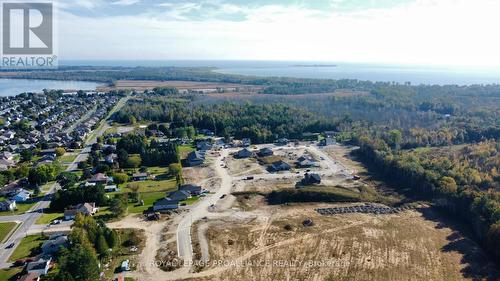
{"x": 275, "y": 245}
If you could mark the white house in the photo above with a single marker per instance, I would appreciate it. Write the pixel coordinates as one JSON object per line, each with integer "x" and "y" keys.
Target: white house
{"x": 7, "y": 205}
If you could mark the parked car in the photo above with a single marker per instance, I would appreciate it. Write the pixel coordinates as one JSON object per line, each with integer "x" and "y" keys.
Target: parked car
{"x": 11, "y": 245}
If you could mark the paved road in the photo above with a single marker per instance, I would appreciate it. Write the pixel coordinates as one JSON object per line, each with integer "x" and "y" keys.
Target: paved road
{"x": 29, "y": 219}
{"x": 200, "y": 210}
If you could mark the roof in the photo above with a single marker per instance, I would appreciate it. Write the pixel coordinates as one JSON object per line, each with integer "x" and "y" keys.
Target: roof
{"x": 166, "y": 201}
{"x": 99, "y": 177}
{"x": 280, "y": 165}
{"x": 140, "y": 175}
{"x": 7, "y": 203}
{"x": 244, "y": 152}
{"x": 190, "y": 187}
{"x": 32, "y": 276}
{"x": 80, "y": 208}
{"x": 196, "y": 155}
{"x": 178, "y": 193}
{"x": 56, "y": 242}
{"x": 36, "y": 265}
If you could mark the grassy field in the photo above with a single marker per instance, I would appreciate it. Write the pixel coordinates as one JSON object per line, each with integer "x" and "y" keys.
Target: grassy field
{"x": 191, "y": 201}
{"x": 46, "y": 187}
{"x": 46, "y": 218}
{"x": 10, "y": 274}
{"x": 149, "y": 198}
{"x": 68, "y": 158}
{"x": 28, "y": 247}
{"x": 185, "y": 149}
{"x": 5, "y": 229}
{"x": 151, "y": 185}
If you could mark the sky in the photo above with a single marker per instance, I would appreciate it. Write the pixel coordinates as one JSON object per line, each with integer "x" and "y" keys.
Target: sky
{"x": 425, "y": 32}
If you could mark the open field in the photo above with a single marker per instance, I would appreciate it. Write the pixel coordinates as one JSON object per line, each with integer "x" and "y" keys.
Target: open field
{"x": 141, "y": 85}
{"x": 47, "y": 218}
{"x": 240, "y": 167}
{"x": 413, "y": 245}
{"x": 5, "y": 229}
{"x": 151, "y": 185}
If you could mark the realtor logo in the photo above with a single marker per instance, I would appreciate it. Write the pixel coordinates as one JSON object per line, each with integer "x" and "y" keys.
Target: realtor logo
{"x": 28, "y": 35}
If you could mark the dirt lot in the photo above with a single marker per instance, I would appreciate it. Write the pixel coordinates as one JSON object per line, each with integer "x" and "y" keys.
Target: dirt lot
{"x": 241, "y": 167}
{"x": 273, "y": 244}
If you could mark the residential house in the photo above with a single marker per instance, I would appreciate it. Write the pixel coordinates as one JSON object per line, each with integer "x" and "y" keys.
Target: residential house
{"x": 246, "y": 142}
{"x": 99, "y": 178}
{"x": 179, "y": 195}
{"x": 7, "y": 163}
{"x": 125, "y": 266}
{"x": 282, "y": 141}
{"x": 279, "y": 166}
{"x": 7, "y": 155}
{"x": 206, "y": 132}
{"x": 244, "y": 153}
{"x": 22, "y": 195}
{"x": 140, "y": 176}
{"x": 7, "y": 205}
{"x": 40, "y": 267}
{"x": 55, "y": 244}
{"x": 310, "y": 179}
{"x": 111, "y": 158}
{"x": 204, "y": 145}
{"x": 327, "y": 141}
{"x": 194, "y": 190}
{"x": 263, "y": 152}
{"x": 195, "y": 158}
{"x": 165, "y": 204}
{"x": 305, "y": 162}
{"x": 87, "y": 209}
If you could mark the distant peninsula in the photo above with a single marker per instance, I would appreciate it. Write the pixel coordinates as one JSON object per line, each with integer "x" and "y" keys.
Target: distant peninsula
{"x": 315, "y": 65}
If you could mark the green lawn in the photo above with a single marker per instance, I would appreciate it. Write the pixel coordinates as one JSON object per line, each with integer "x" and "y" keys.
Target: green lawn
{"x": 21, "y": 209}
{"x": 10, "y": 274}
{"x": 149, "y": 198}
{"x": 47, "y": 218}
{"x": 27, "y": 248}
{"x": 68, "y": 157}
{"x": 158, "y": 170}
{"x": 191, "y": 201}
{"x": 184, "y": 150}
{"x": 151, "y": 185}
{"x": 5, "y": 229}
{"x": 46, "y": 187}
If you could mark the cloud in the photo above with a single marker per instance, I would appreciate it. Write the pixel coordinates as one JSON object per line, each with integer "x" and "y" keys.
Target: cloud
{"x": 450, "y": 32}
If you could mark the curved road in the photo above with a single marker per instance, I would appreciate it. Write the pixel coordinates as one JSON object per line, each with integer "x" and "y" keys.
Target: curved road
{"x": 200, "y": 210}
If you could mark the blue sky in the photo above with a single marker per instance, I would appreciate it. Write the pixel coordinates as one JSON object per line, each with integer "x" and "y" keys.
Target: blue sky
{"x": 438, "y": 32}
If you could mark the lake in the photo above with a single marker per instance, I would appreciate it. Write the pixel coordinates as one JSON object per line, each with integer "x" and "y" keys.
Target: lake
{"x": 328, "y": 70}
{"x": 12, "y": 87}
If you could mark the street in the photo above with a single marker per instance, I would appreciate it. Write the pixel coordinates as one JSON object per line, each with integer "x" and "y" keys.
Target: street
{"x": 29, "y": 219}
